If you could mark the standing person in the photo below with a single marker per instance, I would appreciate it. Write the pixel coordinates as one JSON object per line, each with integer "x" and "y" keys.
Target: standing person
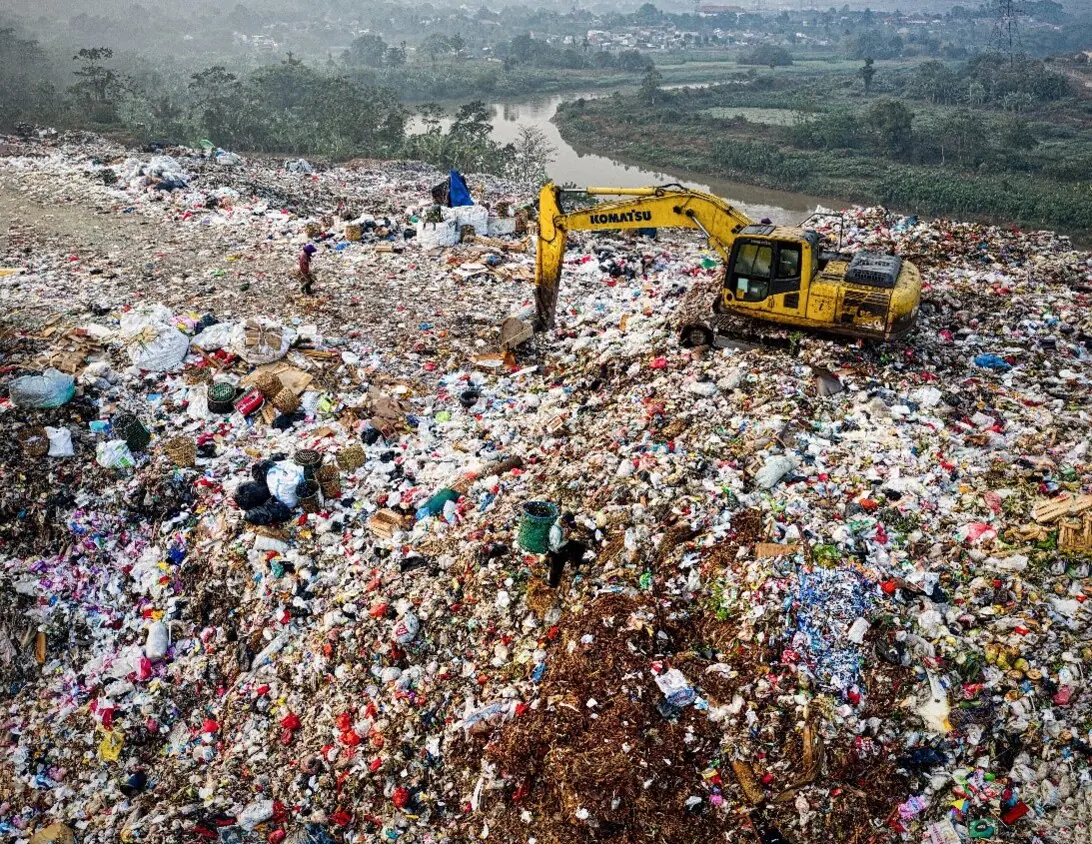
{"x": 306, "y": 277}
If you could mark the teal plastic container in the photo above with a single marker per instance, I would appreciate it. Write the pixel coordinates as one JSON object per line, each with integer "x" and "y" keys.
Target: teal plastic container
{"x": 534, "y": 526}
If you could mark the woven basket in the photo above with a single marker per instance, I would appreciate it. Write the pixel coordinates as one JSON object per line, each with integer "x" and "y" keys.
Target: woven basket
{"x": 351, "y": 457}
{"x": 308, "y": 458}
{"x": 267, "y": 383}
{"x": 312, "y": 230}
{"x": 286, "y": 401}
{"x": 329, "y": 479}
{"x": 353, "y": 232}
{"x": 309, "y": 495}
{"x": 131, "y": 429}
{"x": 35, "y": 442}
{"x": 182, "y": 451}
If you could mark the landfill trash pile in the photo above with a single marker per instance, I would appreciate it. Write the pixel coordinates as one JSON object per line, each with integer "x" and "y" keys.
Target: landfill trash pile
{"x": 335, "y": 568}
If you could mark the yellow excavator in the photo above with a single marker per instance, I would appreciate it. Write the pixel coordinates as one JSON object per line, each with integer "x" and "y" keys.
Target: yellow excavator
{"x": 772, "y": 273}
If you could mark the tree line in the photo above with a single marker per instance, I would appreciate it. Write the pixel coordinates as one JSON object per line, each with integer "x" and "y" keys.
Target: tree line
{"x": 289, "y": 107}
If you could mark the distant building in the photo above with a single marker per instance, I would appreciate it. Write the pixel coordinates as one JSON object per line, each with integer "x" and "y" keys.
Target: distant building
{"x": 717, "y": 9}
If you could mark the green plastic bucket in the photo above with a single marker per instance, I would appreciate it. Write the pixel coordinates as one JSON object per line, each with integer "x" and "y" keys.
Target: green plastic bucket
{"x": 534, "y": 526}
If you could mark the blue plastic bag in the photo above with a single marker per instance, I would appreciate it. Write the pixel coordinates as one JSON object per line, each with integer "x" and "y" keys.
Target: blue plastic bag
{"x": 991, "y": 362}
{"x": 458, "y": 193}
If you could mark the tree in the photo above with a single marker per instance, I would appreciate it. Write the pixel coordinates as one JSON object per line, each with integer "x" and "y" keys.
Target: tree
{"x": 1017, "y": 101}
{"x": 435, "y": 45}
{"x": 25, "y": 93}
{"x": 368, "y": 50}
{"x": 890, "y": 122}
{"x": 533, "y": 154}
{"x": 933, "y": 81}
{"x": 767, "y": 54}
{"x": 633, "y": 60}
{"x": 1017, "y": 135}
{"x": 650, "y": 92}
{"x": 648, "y": 14}
{"x": 99, "y": 87}
{"x": 867, "y": 72}
{"x": 876, "y": 44}
{"x": 215, "y": 93}
{"x": 396, "y": 56}
{"x": 456, "y": 44}
{"x": 473, "y": 123}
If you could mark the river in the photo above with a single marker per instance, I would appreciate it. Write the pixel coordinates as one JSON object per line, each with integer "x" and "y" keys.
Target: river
{"x": 584, "y": 168}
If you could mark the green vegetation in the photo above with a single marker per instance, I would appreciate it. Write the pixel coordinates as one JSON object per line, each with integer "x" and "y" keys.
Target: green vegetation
{"x": 288, "y": 108}
{"x": 769, "y": 55}
{"x": 989, "y": 138}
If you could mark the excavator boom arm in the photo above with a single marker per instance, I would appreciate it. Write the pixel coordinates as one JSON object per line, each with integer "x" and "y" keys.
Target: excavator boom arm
{"x": 665, "y": 207}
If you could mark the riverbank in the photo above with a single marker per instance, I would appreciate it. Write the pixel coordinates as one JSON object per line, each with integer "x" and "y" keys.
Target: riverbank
{"x": 744, "y": 145}
{"x": 460, "y": 82}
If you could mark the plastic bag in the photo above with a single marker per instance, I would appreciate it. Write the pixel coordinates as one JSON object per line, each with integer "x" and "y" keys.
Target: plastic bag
{"x": 282, "y": 481}
{"x": 151, "y": 341}
{"x": 405, "y": 630}
{"x": 502, "y": 226}
{"x": 214, "y": 337}
{"x": 298, "y": 165}
{"x": 228, "y": 159}
{"x": 992, "y": 362}
{"x": 468, "y": 215}
{"x": 434, "y": 235}
{"x": 773, "y": 470}
{"x": 111, "y": 745}
{"x": 114, "y": 454}
{"x": 255, "y": 813}
{"x": 158, "y": 641}
{"x": 166, "y": 167}
{"x": 50, "y": 389}
{"x": 60, "y": 442}
{"x": 676, "y": 688}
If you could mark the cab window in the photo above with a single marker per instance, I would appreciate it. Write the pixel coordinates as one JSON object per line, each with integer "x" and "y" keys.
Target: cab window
{"x": 751, "y": 271}
{"x": 788, "y": 262}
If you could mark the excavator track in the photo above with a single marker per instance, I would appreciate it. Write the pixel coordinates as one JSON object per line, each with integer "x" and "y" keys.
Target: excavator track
{"x": 699, "y": 324}
{"x": 745, "y": 332}
{"x": 727, "y": 331}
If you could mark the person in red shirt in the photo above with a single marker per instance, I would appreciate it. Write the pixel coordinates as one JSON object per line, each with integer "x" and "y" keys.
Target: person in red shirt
{"x": 306, "y": 277}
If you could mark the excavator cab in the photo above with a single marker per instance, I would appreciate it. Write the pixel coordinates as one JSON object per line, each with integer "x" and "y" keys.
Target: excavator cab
{"x": 767, "y": 269}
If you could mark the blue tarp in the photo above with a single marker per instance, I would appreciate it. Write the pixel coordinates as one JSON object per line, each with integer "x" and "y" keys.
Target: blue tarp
{"x": 458, "y": 193}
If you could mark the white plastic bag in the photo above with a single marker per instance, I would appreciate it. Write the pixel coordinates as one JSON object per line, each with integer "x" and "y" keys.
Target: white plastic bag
{"x": 214, "y": 337}
{"x": 502, "y": 226}
{"x": 60, "y": 442}
{"x": 255, "y": 813}
{"x": 50, "y": 389}
{"x": 151, "y": 340}
{"x": 166, "y": 167}
{"x": 437, "y": 235}
{"x": 114, "y": 454}
{"x": 282, "y": 481}
{"x": 197, "y": 402}
{"x": 468, "y": 215}
{"x": 158, "y": 641}
{"x": 773, "y": 470}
